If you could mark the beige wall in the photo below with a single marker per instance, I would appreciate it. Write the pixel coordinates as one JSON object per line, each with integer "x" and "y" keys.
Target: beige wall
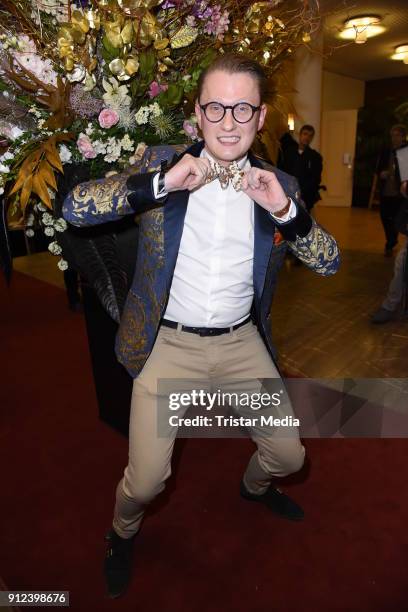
{"x": 341, "y": 98}
{"x": 341, "y": 92}
{"x": 307, "y": 83}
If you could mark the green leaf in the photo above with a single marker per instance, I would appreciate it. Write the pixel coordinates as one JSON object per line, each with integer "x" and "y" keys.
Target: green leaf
{"x": 106, "y": 56}
{"x": 147, "y": 65}
{"x": 172, "y": 96}
{"x": 110, "y": 50}
{"x": 138, "y": 88}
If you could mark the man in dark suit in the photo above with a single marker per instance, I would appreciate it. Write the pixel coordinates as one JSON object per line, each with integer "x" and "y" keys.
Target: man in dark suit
{"x": 302, "y": 162}
{"x": 391, "y": 198}
{"x": 209, "y": 250}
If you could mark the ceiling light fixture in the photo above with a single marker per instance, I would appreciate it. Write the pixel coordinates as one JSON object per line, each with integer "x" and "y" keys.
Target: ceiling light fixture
{"x": 361, "y": 27}
{"x": 401, "y": 53}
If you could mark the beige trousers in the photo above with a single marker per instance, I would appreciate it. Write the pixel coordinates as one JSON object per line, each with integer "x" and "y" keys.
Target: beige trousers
{"x": 185, "y": 357}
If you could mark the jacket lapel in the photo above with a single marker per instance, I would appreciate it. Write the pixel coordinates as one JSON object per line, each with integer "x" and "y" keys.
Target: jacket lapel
{"x": 174, "y": 213}
{"x": 263, "y": 239}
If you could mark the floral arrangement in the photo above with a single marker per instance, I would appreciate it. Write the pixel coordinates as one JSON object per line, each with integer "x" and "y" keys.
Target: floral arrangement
{"x": 96, "y": 81}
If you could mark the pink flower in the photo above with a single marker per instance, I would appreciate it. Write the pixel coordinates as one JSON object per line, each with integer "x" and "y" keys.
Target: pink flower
{"x": 190, "y": 129}
{"x": 108, "y": 117}
{"x": 218, "y": 22}
{"x": 155, "y": 89}
{"x": 84, "y": 144}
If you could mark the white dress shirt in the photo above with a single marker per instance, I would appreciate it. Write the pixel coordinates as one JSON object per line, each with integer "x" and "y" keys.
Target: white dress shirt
{"x": 212, "y": 284}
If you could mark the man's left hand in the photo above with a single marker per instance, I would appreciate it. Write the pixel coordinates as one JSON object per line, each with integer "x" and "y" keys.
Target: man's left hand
{"x": 264, "y": 188}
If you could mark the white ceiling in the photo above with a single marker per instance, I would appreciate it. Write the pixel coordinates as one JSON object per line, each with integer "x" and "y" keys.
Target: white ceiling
{"x": 370, "y": 60}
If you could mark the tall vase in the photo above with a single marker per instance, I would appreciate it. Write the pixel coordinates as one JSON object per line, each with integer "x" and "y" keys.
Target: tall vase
{"x": 105, "y": 257}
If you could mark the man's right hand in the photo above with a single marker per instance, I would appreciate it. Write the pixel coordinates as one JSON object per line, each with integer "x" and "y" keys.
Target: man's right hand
{"x": 189, "y": 173}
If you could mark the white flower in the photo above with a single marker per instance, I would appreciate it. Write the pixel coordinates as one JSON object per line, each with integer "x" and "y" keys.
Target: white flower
{"x": 89, "y": 130}
{"x": 7, "y": 155}
{"x": 116, "y": 95}
{"x": 40, "y": 123}
{"x": 1, "y": 190}
{"x": 33, "y": 110}
{"x": 29, "y": 233}
{"x": 30, "y": 220}
{"x": 126, "y": 118}
{"x": 60, "y": 225}
{"x": 65, "y": 154}
{"x": 49, "y": 6}
{"x": 15, "y": 132}
{"x": 9, "y": 41}
{"x": 40, "y": 207}
{"x": 126, "y": 143}
{"x": 47, "y": 219}
{"x": 142, "y": 115}
{"x": 62, "y": 12}
{"x": 155, "y": 109}
{"x": 77, "y": 75}
{"x": 49, "y": 231}
{"x": 27, "y": 57}
{"x": 4, "y": 168}
{"x": 113, "y": 150}
{"x": 25, "y": 44}
{"x": 62, "y": 264}
{"x": 99, "y": 147}
{"x": 54, "y": 248}
{"x": 111, "y": 157}
{"x": 89, "y": 82}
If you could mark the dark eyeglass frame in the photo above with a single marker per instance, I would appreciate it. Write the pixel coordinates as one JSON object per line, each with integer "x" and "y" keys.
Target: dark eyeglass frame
{"x": 232, "y": 108}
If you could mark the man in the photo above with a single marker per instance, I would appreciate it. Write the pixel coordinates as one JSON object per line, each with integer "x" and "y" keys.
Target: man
{"x": 390, "y": 184}
{"x": 200, "y": 301}
{"x": 302, "y": 162}
{"x": 399, "y": 283}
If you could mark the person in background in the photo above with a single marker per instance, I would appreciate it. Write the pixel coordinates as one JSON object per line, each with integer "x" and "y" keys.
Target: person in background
{"x": 302, "y": 162}
{"x": 389, "y": 179}
{"x": 399, "y": 282}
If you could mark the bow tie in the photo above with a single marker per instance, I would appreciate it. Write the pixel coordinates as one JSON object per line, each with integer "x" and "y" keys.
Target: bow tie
{"x": 225, "y": 175}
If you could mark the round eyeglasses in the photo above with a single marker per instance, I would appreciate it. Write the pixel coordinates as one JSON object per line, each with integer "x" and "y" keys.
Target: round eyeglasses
{"x": 242, "y": 112}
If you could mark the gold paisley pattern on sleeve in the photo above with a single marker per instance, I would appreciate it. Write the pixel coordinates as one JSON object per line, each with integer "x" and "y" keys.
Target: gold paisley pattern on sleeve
{"x": 100, "y": 197}
{"x": 100, "y": 200}
{"x": 147, "y": 298}
{"x": 157, "y": 154}
{"x": 318, "y": 250}
{"x": 132, "y": 340}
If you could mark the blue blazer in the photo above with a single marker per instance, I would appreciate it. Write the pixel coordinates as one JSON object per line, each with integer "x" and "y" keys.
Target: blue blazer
{"x": 160, "y": 229}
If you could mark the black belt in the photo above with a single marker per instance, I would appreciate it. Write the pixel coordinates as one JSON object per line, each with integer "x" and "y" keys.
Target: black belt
{"x": 204, "y": 331}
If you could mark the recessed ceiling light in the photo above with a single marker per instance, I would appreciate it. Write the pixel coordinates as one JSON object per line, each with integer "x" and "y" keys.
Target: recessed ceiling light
{"x": 362, "y": 27}
{"x": 401, "y": 53}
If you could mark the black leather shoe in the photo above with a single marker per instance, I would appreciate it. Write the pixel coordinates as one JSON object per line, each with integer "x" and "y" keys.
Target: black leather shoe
{"x": 118, "y": 563}
{"x": 276, "y": 501}
{"x": 382, "y": 315}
